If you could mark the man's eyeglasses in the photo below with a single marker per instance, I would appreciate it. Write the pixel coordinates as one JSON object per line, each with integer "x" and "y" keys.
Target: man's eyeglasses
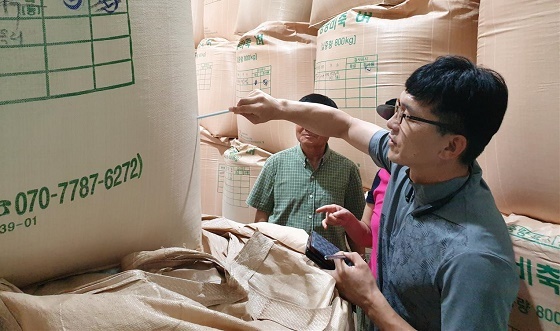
{"x": 392, "y": 107}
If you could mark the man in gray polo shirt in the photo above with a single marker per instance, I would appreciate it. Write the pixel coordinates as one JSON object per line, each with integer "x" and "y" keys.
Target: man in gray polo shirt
{"x": 445, "y": 259}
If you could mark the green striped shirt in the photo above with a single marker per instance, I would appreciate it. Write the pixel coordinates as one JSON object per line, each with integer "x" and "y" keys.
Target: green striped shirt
{"x": 289, "y": 191}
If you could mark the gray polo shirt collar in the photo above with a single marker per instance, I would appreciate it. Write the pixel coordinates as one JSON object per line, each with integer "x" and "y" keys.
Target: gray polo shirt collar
{"x": 424, "y": 194}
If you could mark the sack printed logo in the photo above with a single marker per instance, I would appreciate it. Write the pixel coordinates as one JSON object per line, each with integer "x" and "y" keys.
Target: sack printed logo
{"x": 108, "y": 6}
{"x": 73, "y": 4}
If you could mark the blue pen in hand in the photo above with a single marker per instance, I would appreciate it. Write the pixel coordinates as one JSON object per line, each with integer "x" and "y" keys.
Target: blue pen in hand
{"x": 213, "y": 114}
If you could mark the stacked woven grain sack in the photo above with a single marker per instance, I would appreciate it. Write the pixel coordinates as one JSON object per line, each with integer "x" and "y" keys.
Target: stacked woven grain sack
{"x": 247, "y": 45}
{"x": 365, "y": 54}
{"x": 99, "y": 136}
{"x": 522, "y": 163}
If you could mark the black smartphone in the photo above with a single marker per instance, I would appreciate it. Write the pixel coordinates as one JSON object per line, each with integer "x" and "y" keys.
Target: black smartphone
{"x": 318, "y": 248}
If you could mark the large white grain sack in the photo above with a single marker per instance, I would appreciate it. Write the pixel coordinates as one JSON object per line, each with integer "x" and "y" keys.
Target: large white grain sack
{"x": 215, "y": 74}
{"x": 197, "y": 20}
{"x": 212, "y": 168}
{"x": 98, "y": 122}
{"x": 243, "y": 164}
{"x": 252, "y": 13}
{"x": 365, "y": 55}
{"x": 537, "y": 255}
{"x": 276, "y": 57}
{"x": 522, "y": 162}
{"x": 220, "y": 17}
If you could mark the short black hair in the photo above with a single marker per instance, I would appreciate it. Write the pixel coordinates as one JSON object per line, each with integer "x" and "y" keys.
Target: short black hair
{"x": 319, "y": 98}
{"x": 470, "y": 99}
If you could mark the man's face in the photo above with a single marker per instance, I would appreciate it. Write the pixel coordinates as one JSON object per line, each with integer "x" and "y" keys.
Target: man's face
{"x": 413, "y": 143}
{"x": 310, "y": 139}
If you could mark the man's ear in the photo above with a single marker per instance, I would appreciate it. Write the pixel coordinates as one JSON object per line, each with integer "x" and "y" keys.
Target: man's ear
{"x": 456, "y": 146}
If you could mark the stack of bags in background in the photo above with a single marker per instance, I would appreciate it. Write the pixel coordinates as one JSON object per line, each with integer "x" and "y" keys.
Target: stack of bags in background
{"x": 359, "y": 53}
{"x": 358, "y": 57}
{"x": 243, "y": 45}
{"x": 522, "y": 162}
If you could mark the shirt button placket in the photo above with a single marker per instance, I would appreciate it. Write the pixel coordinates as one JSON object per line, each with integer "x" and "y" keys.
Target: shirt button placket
{"x": 311, "y": 198}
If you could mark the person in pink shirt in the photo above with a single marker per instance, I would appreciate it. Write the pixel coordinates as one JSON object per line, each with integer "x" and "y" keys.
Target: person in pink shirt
{"x": 370, "y": 217}
{"x": 372, "y": 212}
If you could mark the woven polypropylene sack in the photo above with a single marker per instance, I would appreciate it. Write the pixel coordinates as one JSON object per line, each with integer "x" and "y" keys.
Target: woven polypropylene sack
{"x": 98, "y": 108}
{"x": 215, "y": 74}
{"x": 277, "y": 58}
{"x": 522, "y": 43}
{"x": 365, "y": 55}
{"x": 252, "y": 13}
{"x": 243, "y": 164}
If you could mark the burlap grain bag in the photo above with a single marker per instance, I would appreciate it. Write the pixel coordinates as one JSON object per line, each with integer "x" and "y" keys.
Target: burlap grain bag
{"x": 261, "y": 283}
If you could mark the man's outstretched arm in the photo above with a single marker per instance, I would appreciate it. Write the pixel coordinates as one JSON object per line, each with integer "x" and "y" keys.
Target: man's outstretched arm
{"x": 259, "y": 107}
